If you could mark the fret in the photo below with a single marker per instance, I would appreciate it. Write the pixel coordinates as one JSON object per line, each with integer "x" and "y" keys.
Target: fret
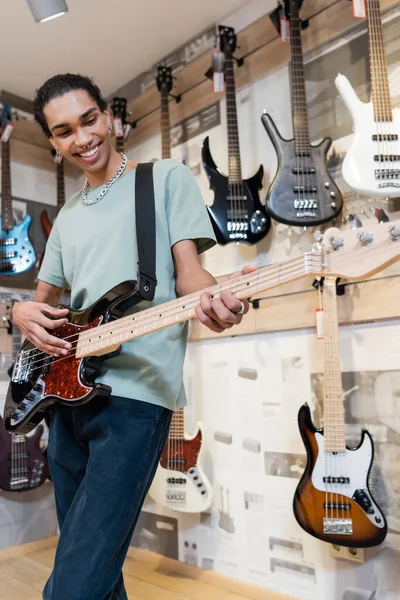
{"x": 177, "y": 428}
{"x": 299, "y": 103}
{"x": 6, "y": 201}
{"x": 165, "y": 125}
{"x": 120, "y": 145}
{"x": 334, "y": 430}
{"x": 234, "y": 163}
{"x": 380, "y": 93}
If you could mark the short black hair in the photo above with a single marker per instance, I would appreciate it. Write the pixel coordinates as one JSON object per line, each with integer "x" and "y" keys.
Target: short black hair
{"x": 58, "y": 86}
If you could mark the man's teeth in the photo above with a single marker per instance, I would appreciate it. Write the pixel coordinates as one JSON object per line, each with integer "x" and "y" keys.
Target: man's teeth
{"x": 90, "y": 153}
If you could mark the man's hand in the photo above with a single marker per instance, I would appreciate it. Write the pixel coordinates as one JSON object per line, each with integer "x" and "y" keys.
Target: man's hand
{"x": 33, "y": 319}
{"x": 222, "y": 313}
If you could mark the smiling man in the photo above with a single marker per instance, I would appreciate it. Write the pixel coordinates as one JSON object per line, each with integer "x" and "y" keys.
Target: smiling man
{"x": 103, "y": 455}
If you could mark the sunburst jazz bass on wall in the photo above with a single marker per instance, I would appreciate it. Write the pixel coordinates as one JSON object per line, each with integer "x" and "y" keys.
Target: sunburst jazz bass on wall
{"x": 16, "y": 251}
{"x": 237, "y": 214}
{"x": 302, "y": 192}
{"x": 333, "y": 501}
{"x": 39, "y": 380}
{"x": 180, "y": 482}
{"x": 372, "y": 164}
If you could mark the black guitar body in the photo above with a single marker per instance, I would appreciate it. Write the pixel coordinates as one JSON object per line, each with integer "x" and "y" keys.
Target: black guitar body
{"x": 236, "y": 214}
{"x": 302, "y": 193}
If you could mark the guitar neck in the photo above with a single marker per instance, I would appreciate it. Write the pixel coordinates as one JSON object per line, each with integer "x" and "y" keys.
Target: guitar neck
{"x": 60, "y": 185}
{"x": 182, "y": 309}
{"x": 380, "y": 92}
{"x": 334, "y": 431}
{"x": 165, "y": 126}
{"x": 299, "y": 104}
{"x": 6, "y": 202}
{"x": 235, "y": 168}
{"x": 120, "y": 145}
{"x": 177, "y": 429}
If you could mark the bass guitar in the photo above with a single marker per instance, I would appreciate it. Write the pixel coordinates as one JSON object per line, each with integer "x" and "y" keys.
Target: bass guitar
{"x": 39, "y": 380}
{"x": 236, "y": 214}
{"x": 119, "y": 112}
{"x": 372, "y": 164}
{"x": 45, "y": 220}
{"x": 16, "y": 251}
{"x": 22, "y": 463}
{"x": 333, "y": 501}
{"x": 302, "y": 192}
{"x": 164, "y": 85}
{"x": 180, "y": 482}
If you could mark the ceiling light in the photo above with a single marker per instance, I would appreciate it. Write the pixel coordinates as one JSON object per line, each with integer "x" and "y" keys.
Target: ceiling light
{"x": 44, "y": 10}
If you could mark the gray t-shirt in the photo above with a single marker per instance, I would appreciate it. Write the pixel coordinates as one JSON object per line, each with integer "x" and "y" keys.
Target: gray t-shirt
{"x": 93, "y": 248}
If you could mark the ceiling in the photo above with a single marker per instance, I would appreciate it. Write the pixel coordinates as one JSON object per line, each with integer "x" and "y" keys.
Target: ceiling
{"x": 110, "y": 40}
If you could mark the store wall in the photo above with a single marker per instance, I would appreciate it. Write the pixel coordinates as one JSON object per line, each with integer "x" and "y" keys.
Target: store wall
{"x": 263, "y": 543}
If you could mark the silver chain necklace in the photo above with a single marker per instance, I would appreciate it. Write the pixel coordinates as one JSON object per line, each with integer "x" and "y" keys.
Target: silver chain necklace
{"x": 106, "y": 187}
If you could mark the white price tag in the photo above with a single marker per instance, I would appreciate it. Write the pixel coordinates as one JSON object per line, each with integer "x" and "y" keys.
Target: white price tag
{"x": 319, "y": 322}
{"x": 285, "y": 30}
{"x": 118, "y": 127}
{"x": 7, "y": 131}
{"x": 359, "y": 9}
{"x": 218, "y": 82}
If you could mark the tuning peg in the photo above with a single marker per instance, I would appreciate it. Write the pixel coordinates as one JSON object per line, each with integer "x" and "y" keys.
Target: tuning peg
{"x": 354, "y": 221}
{"x": 381, "y": 215}
{"x": 394, "y": 233}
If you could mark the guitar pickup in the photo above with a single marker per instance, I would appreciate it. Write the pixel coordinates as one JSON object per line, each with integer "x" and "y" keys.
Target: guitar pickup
{"x": 385, "y": 137}
{"x": 341, "y": 479}
{"x": 300, "y": 189}
{"x": 387, "y": 173}
{"x": 307, "y": 204}
{"x": 386, "y": 157}
{"x": 337, "y": 506}
{"x": 304, "y": 171}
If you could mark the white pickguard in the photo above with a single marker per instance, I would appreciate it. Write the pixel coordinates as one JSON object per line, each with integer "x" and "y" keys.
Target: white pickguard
{"x": 183, "y": 497}
{"x": 355, "y": 465}
{"x": 359, "y": 166}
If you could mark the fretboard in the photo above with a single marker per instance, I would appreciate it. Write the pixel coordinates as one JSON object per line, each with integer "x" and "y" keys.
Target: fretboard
{"x": 235, "y": 168}
{"x": 334, "y": 431}
{"x": 380, "y": 92}
{"x": 6, "y": 202}
{"x": 177, "y": 429}
{"x": 165, "y": 126}
{"x": 120, "y": 145}
{"x": 107, "y": 336}
{"x": 60, "y": 185}
{"x": 299, "y": 104}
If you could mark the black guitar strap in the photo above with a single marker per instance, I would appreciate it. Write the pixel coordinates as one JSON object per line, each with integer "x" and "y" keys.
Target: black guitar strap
{"x": 145, "y": 231}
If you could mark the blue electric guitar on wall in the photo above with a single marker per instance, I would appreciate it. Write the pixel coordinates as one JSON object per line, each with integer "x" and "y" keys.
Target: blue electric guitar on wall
{"x": 16, "y": 251}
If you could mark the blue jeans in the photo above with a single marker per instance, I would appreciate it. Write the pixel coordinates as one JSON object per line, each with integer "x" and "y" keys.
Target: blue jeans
{"x": 103, "y": 457}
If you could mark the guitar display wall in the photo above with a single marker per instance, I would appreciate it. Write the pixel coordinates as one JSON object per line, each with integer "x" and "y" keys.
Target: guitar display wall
{"x": 247, "y": 390}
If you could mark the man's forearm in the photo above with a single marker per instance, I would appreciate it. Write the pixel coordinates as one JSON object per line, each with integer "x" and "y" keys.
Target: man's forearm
{"x": 198, "y": 279}
{"x": 48, "y": 294}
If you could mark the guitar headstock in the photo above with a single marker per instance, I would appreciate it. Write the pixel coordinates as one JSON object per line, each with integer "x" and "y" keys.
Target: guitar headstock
{"x": 164, "y": 79}
{"x": 359, "y": 253}
{"x": 118, "y": 109}
{"x": 227, "y": 39}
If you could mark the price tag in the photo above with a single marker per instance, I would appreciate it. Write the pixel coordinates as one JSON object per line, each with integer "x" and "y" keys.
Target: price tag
{"x": 58, "y": 158}
{"x": 218, "y": 82}
{"x": 118, "y": 127}
{"x": 359, "y": 9}
{"x": 319, "y": 323}
{"x": 285, "y": 30}
{"x": 127, "y": 130}
{"x": 7, "y": 131}
{"x": 218, "y": 65}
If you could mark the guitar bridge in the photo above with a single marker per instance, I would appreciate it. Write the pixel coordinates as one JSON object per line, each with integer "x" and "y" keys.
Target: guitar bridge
{"x": 338, "y": 526}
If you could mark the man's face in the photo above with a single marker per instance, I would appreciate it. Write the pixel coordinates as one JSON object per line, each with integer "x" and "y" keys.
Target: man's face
{"x": 80, "y": 131}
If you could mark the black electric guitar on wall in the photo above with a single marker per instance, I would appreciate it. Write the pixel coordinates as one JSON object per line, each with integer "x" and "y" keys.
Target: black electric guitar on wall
{"x": 22, "y": 463}
{"x": 119, "y": 112}
{"x": 164, "y": 85}
{"x": 45, "y": 220}
{"x": 16, "y": 251}
{"x": 333, "y": 501}
{"x": 302, "y": 192}
{"x": 39, "y": 380}
{"x": 237, "y": 214}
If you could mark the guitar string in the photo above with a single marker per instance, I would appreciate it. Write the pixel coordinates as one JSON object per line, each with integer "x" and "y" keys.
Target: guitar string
{"x": 299, "y": 175}
{"x": 232, "y": 187}
{"x": 121, "y": 325}
{"x": 378, "y": 91}
{"x": 125, "y": 323}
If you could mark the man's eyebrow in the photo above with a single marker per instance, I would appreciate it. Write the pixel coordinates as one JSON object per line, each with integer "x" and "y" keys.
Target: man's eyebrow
{"x": 85, "y": 114}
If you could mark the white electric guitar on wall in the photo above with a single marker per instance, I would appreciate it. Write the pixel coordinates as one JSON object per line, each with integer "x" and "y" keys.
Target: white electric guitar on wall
{"x": 372, "y": 164}
{"x": 180, "y": 482}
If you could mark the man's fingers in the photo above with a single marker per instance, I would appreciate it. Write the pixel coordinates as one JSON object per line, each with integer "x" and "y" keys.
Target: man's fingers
{"x": 51, "y": 323}
{"x": 223, "y": 313}
{"x": 207, "y": 321}
{"x": 50, "y": 341}
{"x": 54, "y": 312}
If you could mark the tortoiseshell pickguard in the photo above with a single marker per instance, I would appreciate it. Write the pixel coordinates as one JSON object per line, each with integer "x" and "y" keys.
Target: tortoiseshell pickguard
{"x": 63, "y": 378}
{"x": 187, "y": 449}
